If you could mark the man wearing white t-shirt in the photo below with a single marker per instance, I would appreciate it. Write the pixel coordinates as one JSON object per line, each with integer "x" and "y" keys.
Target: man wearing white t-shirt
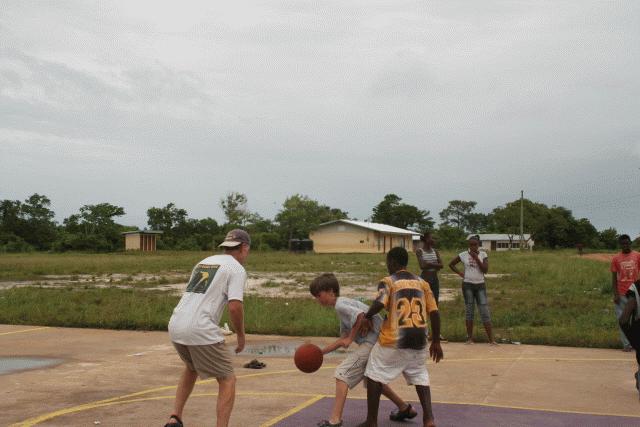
{"x": 216, "y": 281}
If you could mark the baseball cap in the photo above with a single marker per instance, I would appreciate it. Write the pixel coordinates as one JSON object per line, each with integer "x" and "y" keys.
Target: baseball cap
{"x": 235, "y": 238}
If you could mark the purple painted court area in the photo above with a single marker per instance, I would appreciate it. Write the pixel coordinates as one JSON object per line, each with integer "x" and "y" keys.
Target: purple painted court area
{"x": 457, "y": 416}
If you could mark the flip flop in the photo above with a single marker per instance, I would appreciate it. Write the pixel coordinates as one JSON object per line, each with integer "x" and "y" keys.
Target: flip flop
{"x": 255, "y": 364}
{"x": 398, "y": 415}
{"x": 326, "y": 423}
{"x": 178, "y": 424}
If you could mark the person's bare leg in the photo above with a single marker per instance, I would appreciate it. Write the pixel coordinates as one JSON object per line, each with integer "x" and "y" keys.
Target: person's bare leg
{"x": 392, "y": 396}
{"x": 226, "y": 397}
{"x": 469, "y": 325}
{"x": 374, "y": 389}
{"x": 185, "y": 387}
{"x": 424, "y": 394}
{"x": 487, "y": 328}
{"x": 338, "y": 406}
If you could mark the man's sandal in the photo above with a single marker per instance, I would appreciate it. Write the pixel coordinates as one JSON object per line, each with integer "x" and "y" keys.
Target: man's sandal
{"x": 255, "y": 364}
{"x": 399, "y": 415}
{"x": 176, "y": 424}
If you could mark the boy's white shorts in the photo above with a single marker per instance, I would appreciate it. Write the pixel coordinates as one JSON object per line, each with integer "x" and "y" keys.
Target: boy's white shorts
{"x": 351, "y": 370}
{"x": 387, "y": 363}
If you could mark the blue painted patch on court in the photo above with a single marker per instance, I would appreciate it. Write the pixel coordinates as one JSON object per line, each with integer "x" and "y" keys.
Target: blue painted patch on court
{"x": 457, "y": 415}
{"x": 13, "y": 364}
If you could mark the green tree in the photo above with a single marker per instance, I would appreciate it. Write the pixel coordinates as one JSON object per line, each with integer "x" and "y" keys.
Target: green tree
{"x": 479, "y": 223}
{"x": 234, "y": 206}
{"x": 506, "y": 219}
{"x": 181, "y": 232}
{"x": 586, "y": 233}
{"x": 457, "y": 214}
{"x": 392, "y": 211}
{"x": 27, "y": 225}
{"x": 449, "y": 237}
{"x": 196, "y": 234}
{"x": 300, "y": 214}
{"x": 608, "y": 238}
{"x": 93, "y": 229}
{"x": 172, "y": 221}
{"x": 549, "y": 226}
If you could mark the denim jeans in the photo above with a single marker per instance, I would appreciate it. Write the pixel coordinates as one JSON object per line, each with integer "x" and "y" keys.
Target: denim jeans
{"x": 432, "y": 278}
{"x": 476, "y": 293}
{"x": 619, "y": 308}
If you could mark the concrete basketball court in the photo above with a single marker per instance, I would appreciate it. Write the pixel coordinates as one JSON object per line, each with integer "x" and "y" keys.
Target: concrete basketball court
{"x": 108, "y": 378}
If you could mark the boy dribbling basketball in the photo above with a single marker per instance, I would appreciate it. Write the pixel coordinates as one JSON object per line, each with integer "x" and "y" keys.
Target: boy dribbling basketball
{"x": 326, "y": 290}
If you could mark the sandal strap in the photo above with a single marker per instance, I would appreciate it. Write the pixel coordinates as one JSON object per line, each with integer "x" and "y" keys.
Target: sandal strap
{"x": 177, "y": 418}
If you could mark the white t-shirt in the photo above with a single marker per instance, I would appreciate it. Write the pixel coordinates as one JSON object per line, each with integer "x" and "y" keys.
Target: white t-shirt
{"x": 348, "y": 310}
{"x": 472, "y": 272}
{"x": 214, "y": 282}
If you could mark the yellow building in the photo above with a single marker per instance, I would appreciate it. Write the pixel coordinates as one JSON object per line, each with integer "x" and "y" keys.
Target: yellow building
{"x": 140, "y": 240}
{"x": 347, "y": 236}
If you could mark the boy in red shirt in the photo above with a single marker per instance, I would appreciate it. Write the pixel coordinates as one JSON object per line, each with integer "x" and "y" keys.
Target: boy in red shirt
{"x": 625, "y": 269}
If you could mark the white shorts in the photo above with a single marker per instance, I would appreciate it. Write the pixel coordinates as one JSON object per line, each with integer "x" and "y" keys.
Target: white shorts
{"x": 351, "y": 370}
{"x": 387, "y": 363}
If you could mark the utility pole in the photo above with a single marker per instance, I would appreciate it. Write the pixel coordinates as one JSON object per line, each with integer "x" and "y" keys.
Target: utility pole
{"x": 521, "y": 219}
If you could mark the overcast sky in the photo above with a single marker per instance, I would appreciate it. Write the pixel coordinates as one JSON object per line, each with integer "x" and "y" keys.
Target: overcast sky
{"x": 144, "y": 103}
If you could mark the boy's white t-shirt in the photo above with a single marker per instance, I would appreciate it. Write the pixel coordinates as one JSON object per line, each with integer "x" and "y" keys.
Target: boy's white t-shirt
{"x": 214, "y": 282}
{"x": 472, "y": 272}
{"x": 348, "y": 310}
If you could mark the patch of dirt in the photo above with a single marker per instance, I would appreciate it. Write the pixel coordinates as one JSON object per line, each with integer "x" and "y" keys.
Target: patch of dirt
{"x": 597, "y": 257}
{"x": 267, "y": 284}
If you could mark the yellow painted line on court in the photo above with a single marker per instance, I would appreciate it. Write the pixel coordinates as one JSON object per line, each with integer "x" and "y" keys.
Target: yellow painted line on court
{"x": 127, "y": 398}
{"x": 313, "y": 399}
{"x": 538, "y": 359}
{"x": 525, "y": 408}
{"x": 146, "y": 399}
{"x": 91, "y": 405}
{"x": 24, "y": 330}
{"x": 290, "y": 412}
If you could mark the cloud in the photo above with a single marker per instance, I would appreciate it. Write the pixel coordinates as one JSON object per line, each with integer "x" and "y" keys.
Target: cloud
{"x": 342, "y": 101}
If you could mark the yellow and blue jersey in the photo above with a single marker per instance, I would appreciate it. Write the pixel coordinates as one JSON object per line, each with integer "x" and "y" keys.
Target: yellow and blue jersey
{"x": 408, "y": 300}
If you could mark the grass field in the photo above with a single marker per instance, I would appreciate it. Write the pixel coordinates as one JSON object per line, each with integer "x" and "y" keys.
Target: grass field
{"x": 546, "y": 297}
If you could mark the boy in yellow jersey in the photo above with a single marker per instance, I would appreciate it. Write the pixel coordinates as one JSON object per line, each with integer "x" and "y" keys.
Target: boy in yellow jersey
{"x": 402, "y": 344}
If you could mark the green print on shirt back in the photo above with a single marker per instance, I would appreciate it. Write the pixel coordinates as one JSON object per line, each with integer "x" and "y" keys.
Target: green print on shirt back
{"x": 201, "y": 278}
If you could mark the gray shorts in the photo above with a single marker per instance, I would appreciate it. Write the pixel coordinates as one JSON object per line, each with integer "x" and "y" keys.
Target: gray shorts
{"x": 351, "y": 370}
{"x": 210, "y": 360}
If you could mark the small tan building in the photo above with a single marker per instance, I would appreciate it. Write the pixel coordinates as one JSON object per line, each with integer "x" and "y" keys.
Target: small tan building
{"x": 347, "y": 236}
{"x": 140, "y": 240}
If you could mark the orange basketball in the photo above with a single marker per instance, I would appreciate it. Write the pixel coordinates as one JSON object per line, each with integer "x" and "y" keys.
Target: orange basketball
{"x": 308, "y": 358}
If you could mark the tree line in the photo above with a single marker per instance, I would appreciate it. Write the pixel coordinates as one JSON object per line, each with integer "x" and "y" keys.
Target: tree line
{"x": 30, "y": 225}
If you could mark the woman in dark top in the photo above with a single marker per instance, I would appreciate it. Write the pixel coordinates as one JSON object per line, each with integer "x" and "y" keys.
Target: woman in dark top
{"x": 430, "y": 262}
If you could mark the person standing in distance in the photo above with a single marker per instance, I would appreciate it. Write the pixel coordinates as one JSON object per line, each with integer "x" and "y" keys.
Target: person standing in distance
{"x": 625, "y": 269}
{"x": 474, "y": 289}
{"x": 215, "y": 282}
{"x": 430, "y": 263}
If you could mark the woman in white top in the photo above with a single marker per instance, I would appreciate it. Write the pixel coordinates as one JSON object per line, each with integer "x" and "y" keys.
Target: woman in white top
{"x": 476, "y": 265}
